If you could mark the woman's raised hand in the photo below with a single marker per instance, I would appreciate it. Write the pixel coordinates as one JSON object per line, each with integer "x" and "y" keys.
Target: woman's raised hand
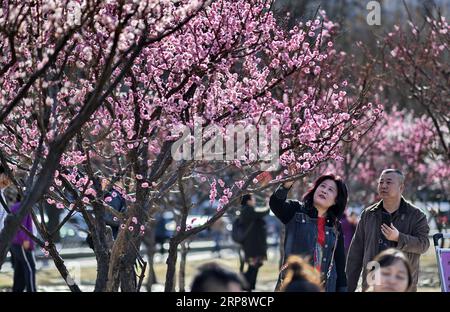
{"x": 292, "y": 171}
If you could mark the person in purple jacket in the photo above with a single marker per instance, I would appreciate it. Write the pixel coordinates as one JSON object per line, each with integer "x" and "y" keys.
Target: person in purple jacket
{"x": 22, "y": 248}
{"x": 348, "y": 223}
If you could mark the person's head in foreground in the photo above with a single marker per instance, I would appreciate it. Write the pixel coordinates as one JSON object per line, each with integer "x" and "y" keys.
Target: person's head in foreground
{"x": 300, "y": 276}
{"x": 213, "y": 277}
{"x": 390, "y": 271}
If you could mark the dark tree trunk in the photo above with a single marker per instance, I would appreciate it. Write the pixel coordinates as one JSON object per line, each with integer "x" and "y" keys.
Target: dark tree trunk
{"x": 182, "y": 273}
{"x": 102, "y": 240}
{"x": 149, "y": 241}
{"x": 171, "y": 266}
{"x": 102, "y": 271}
{"x": 128, "y": 275}
{"x": 53, "y": 214}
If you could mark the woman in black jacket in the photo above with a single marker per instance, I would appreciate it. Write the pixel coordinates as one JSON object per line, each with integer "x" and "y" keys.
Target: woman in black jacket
{"x": 313, "y": 229}
{"x": 254, "y": 243}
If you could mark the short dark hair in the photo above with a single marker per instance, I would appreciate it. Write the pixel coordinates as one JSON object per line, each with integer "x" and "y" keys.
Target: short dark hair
{"x": 390, "y": 256}
{"x": 337, "y": 209}
{"x": 245, "y": 198}
{"x": 399, "y": 172}
{"x": 216, "y": 274}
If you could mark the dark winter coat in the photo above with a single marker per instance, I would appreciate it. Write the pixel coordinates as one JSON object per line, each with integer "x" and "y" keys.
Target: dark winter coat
{"x": 255, "y": 242}
{"x": 301, "y": 238}
{"x": 412, "y": 224}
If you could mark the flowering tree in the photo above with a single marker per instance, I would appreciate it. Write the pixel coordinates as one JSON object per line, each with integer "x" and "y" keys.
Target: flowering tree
{"x": 59, "y": 62}
{"x": 417, "y": 60}
{"x": 401, "y": 141}
{"x": 415, "y": 137}
{"x": 139, "y": 71}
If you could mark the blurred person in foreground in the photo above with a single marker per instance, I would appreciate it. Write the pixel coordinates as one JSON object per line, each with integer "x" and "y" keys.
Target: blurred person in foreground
{"x": 300, "y": 276}
{"x": 213, "y": 277}
{"x": 390, "y": 271}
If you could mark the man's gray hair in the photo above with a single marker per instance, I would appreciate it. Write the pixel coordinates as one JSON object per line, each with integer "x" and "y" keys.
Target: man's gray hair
{"x": 402, "y": 176}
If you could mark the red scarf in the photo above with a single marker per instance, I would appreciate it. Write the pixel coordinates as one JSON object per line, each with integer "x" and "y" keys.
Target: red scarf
{"x": 321, "y": 230}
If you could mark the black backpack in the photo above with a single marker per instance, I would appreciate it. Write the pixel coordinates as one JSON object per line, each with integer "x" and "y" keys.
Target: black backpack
{"x": 239, "y": 231}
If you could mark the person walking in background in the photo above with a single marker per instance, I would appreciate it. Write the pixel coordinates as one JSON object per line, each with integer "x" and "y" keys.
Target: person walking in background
{"x": 161, "y": 233}
{"x": 313, "y": 229}
{"x": 441, "y": 220}
{"x": 391, "y": 223}
{"x": 348, "y": 223}
{"x": 390, "y": 272}
{"x": 217, "y": 233}
{"x": 22, "y": 249}
{"x": 254, "y": 243}
{"x": 4, "y": 183}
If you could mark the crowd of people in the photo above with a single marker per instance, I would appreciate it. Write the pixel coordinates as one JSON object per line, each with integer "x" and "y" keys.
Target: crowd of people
{"x": 325, "y": 249}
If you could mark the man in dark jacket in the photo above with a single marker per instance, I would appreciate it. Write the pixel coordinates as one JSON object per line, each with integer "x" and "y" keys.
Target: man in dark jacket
{"x": 407, "y": 232}
{"x": 255, "y": 241}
